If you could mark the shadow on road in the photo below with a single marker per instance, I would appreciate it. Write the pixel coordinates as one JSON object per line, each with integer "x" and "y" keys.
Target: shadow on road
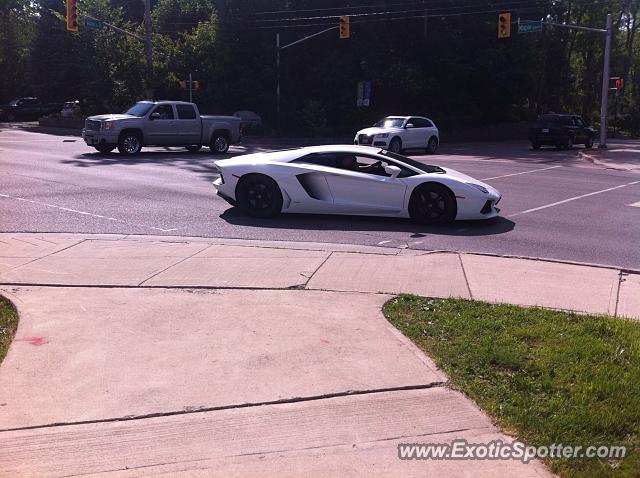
{"x": 513, "y": 151}
{"x": 325, "y": 222}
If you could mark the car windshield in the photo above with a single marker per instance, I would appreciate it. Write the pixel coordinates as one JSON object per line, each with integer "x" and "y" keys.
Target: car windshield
{"x": 139, "y": 109}
{"x": 390, "y": 123}
{"x": 427, "y": 168}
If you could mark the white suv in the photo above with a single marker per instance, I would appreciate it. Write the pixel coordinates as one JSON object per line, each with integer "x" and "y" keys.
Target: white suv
{"x": 396, "y": 133}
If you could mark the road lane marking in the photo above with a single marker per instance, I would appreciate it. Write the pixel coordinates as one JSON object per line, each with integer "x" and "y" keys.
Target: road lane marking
{"x": 573, "y": 199}
{"x": 635, "y": 204}
{"x": 518, "y": 174}
{"x": 84, "y": 213}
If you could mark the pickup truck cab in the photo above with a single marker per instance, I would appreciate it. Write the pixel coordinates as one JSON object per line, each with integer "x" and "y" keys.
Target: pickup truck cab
{"x": 161, "y": 123}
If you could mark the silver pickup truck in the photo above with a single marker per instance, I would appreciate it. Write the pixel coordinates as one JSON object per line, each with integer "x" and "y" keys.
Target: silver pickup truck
{"x": 161, "y": 123}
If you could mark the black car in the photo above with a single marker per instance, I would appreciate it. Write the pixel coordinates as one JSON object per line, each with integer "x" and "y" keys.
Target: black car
{"x": 561, "y": 131}
{"x": 27, "y": 109}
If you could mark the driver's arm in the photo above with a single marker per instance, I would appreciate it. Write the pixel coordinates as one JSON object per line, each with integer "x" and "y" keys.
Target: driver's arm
{"x": 370, "y": 167}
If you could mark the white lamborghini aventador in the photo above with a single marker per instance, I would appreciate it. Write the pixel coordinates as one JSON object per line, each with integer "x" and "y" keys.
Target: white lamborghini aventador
{"x": 344, "y": 179}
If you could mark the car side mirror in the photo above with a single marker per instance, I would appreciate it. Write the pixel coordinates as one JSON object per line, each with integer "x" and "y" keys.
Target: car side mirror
{"x": 410, "y": 125}
{"x": 154, "y": 116}
{"x": 393, "y": 171}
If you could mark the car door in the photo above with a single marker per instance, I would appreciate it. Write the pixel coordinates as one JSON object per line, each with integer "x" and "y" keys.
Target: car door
{"x": 581, "y": 133}
{"x": 357, "y": 192}
{"x": 161, "y": 125}
{"x": 411, "y": 133}
{"x": 189, "y": 125}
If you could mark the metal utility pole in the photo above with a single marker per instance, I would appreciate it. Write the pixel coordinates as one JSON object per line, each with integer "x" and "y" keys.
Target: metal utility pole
{"x": 278, "y": 82}
{"x": 605, "y": 71}
{"x": 605, "y": 84}
{"x": 148, "y": 48}
{"x": 190, "y": 89}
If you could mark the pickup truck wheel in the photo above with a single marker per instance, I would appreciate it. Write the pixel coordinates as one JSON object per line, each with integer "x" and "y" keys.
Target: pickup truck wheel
{"x": 194, "y": 147}
{"x": 259, "y": 196}
{"x": 130, "y": 144}
{"x": 11, "y": 117}
{"x": 219, "y": 144}
{"x": 535, "y": 145}
{"x": 104, "y": 148}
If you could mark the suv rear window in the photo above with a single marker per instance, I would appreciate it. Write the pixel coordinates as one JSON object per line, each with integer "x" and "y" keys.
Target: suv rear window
{"x": 186, "y": 112}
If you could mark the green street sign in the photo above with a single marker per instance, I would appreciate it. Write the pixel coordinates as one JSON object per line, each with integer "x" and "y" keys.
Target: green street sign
{"x": 92, "y": 24}
{"x": 530, "y": 26}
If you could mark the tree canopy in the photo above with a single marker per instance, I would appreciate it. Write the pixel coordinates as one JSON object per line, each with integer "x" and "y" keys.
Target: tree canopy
{"x": 441, "y": 58}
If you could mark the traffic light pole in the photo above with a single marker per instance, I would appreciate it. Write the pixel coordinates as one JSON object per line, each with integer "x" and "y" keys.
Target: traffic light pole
{"x": 604, "y": 104}
{"x": 605, "y": 85}
{"x": 148, "y": 48}
{"x": 278, "y": 50}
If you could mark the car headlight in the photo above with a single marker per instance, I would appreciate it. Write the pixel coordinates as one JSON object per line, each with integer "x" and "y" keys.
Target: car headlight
{"x": 382, "y": 135}
{"x": 108, "y": 125}
{"x": 481, "y": 188}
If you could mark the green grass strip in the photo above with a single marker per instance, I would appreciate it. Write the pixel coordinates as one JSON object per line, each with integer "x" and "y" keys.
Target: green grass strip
{"x": 545, "y": 376}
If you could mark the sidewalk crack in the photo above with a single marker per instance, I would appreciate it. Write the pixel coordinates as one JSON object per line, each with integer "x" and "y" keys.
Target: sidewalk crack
{"x": 306, "y": 283}
{"x": 174, "y": 264}
{"x": 464, "y": 273}
{"x": 193, "y": 410}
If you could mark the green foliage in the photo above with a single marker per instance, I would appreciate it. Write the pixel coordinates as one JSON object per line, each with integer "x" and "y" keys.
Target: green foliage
{"x": 455, "y": 71}
{"x": 8, "y": 325}
{"x": 547, "y": 376}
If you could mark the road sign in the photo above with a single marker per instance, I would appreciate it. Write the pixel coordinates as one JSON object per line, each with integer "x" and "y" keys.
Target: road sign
{"x": 93, "y": 24}
{"x": 529, "y": 26}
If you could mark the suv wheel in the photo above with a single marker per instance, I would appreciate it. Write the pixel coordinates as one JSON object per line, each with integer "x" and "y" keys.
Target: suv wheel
{"x": 568, "y": 144}
{"x": 432, "y": 145}
{"x": 589, "y": 143}
{"x": 130, "y": 144}
{"x": 395, "y": 146}
{"x": 535, "y": 145}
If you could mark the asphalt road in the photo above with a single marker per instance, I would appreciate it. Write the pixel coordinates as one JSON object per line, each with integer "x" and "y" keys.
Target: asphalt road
{"x": 554, "y": 205}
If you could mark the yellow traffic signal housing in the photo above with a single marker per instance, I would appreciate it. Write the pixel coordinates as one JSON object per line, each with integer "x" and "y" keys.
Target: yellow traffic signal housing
{"x": 504, "y": 25}
{"x": 72, "y": 15}
{"x": 344, "y": 26}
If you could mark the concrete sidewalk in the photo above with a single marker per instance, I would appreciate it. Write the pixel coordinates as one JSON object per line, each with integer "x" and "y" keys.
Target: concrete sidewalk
{"x": 621, "y": 154}
{"x": 201, "y": 357}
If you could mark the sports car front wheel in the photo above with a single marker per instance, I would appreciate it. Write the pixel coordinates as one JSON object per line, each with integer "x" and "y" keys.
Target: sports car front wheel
{"x": 259, "y": 196}
{"x": 432, "y": 204}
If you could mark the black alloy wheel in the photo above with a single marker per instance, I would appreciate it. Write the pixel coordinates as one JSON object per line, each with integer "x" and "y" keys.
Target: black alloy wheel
{"x": 259, "y": 196}
{"x": 432, "y": 204}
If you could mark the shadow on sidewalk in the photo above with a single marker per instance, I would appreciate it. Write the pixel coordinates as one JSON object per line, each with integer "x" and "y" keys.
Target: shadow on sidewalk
{"x": 327, "y": 222}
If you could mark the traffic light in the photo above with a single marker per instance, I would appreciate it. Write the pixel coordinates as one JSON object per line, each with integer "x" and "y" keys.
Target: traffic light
{"x": 504, "y": 25}
{"x": 196, "y": 85}
{"x": 615, "y": 83}
{"x": 344, "y": 26}
{"x": 72, "y": 15}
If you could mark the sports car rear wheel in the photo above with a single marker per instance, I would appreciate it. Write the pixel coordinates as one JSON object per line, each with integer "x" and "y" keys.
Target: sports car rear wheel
{"x": 259, "y": 196}
{"x": 432, "y": 203}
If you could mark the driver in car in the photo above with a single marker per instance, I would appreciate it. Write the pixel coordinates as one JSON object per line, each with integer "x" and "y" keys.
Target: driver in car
{"x": 348, "y": 161}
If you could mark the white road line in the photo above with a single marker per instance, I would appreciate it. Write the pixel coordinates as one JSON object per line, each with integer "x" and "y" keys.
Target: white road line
{"x": 635, "y": 204}
{"x": 84, "y": 213}
{"x": 573, "y": 199}
{"x": 518, "y": 174}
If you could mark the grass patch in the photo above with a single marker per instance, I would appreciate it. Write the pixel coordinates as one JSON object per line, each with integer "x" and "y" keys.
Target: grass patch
{"x": 8, "y": 325}
{"x": 546, "y": 376}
